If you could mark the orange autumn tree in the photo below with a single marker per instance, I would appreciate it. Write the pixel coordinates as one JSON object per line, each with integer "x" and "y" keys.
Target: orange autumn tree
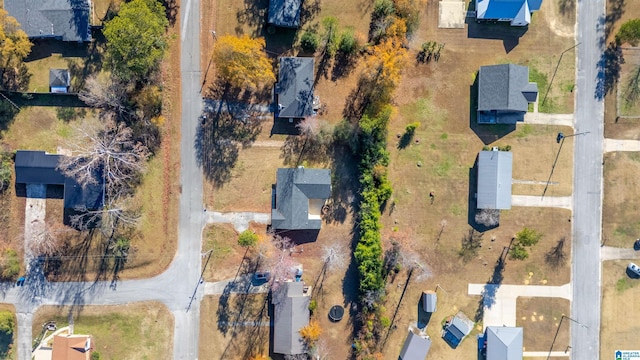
{"x": 383, "y": 70}
{"x": 242, "y": 62}
{"x": 311, "y": 333}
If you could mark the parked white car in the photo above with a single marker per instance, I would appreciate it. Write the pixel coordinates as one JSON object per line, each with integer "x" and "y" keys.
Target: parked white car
{"x": 634, "y": 268}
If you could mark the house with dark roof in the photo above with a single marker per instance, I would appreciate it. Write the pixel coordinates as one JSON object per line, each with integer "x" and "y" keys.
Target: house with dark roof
{"x": 457, "y": 329}
{"x": 516, "y": 12}
{"x": 494, "y": 180}
{"x": 59, "y": 81}
{"x": 503, "y": 342}
{"x": 504, "y": 93}
{"x": 66, "y": 20}
{"x": 39, "y": 167}
{"x": 291, "y": 313}
{"x": 416, "y": 347}
{"x": 72, "y": 347}
{"x": 294, "y": 89}
{"x": 284, "y": 13}
{"x": 300, "y": 194}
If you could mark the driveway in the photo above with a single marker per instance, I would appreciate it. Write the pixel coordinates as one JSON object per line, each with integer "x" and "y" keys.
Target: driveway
{"x": 564, "y": 202}
{"x": 621, "y": 145}
{"x": 548, "y": 119}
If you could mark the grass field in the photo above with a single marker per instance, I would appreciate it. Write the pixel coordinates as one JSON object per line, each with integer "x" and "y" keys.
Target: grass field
{"x": 619, "y": 214}
{"x": 226, "y": 254}
{"x": 9, "y": 344}
{"x": 619, "y": 325}
{"x": 133, "y": 331}
{"x": 540, "y": 319}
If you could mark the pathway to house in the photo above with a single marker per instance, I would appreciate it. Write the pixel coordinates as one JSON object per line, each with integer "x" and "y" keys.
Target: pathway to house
{"x": 616, "y": 253}
{"x": 268, "y": 143}
{"x": 34, "y": 216}
{"x": 611, "y": 145}
{"x": 500, "y": 300}
{"x": 239, "y": 220}
{"x": 564, "y": 202}
{"x": 537, "y": 118}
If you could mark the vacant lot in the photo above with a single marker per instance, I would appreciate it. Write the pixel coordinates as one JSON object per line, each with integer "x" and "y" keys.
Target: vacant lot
{"x": 620, "y": 322}
{"x": 132, "y": 331}
{"x": 620, "y": 222}
{"x": 619, "y": 72}
{"x": 628, "y": 90}
{"x": 540, "y": 318}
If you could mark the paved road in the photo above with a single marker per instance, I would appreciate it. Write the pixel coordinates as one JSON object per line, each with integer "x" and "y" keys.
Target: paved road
{"x": 587, "y": 179}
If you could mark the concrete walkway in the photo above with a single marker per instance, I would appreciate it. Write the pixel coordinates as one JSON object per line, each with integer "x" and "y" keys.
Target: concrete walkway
{"x": 611, "y": 145}
{"x": 500, "y": 300}
{"x": 240, "y": 285}
{"x": 537, "y": 118}
{"x": 564, "y": 202}
{"x": 616, "y": 253}
{"x": 239, "y": 220}
{"x": 34, "y": 217}
{"x": 545, "y": 354}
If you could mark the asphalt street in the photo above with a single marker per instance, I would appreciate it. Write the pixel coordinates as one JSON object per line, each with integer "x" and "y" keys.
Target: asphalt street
{"x": 587, "y": 186}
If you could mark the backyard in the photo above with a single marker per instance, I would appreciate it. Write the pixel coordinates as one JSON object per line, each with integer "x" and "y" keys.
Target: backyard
{"x": 132, "y": 331}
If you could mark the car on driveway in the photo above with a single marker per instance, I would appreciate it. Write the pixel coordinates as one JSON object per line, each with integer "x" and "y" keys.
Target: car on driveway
{"x": 634, "y": 269}
{"x": 261, "y": 276}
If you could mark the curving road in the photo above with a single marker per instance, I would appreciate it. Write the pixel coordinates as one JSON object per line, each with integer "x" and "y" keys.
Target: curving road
{"x": 175, "y": 286}
{"x": 587, "y": 183}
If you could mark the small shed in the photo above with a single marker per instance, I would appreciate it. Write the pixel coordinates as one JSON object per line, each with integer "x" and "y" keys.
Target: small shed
{"x": 416, "y": 347}
{"x": 429, "y": 300}
{"x": 59, "y": 81}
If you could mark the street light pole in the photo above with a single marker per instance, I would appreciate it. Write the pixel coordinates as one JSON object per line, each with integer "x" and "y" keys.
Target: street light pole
{"x": 559, "y": 139}
{"x": 554, "y": 73}
{"x": 558, "y": 330}
{"x": 210, "y": 252}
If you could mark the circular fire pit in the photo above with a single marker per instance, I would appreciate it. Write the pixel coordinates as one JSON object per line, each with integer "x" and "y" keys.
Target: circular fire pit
{"x": 336, "y": 313}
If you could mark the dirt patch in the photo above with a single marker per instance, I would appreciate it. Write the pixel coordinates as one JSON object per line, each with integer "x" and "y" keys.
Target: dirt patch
{"x": 620, "y": 323}
{"x": 131, "y": 331}
{"x": 540, "y": 318}
{"x": 619, "y": 214}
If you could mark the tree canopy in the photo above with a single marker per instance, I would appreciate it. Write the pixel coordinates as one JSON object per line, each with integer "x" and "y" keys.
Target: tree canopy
{"x": 629, "y": 32}
{"x": 242, "y": 61}
{"x": 136, "y": 38}
{"x": 14, "y": 47}
{"x": 247, "y": 238}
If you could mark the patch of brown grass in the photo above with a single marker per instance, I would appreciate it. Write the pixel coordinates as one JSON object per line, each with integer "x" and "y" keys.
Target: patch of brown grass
{"x": 620, "y": 222}
{"x": 131, "y": 331}
{"x": 540, "y": 318}
{"x": 620, "y": 320}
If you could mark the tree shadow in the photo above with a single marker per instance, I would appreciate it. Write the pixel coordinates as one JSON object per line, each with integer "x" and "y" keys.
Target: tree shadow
{"x": 615, "y": 10}
{"x": 343, "y": 65}
{"x": 609, "y": 68}
{"x": 16, "y": 78}
{"x": 172, "y": 10}
{"x": 91, "y": 63}
{"x": 8, "y": 113}
{"x": 308, "y": 11}
{"x": 224, "y": 127}
{"x": 510, "y": 35}
{"x": 254, "y": 15}
{"x": 491, "y": 287}
{"x": 344, "y": 192}
{"x": 488, "y": 133}
{"x": 323, "y": 67}
{"x": 358, "y": 100}
{"x": 567, "y": 7}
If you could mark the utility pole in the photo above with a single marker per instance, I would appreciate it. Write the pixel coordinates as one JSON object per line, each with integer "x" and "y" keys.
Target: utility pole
{"x": 558, "y": 330}
{"x": 560, "y": 140}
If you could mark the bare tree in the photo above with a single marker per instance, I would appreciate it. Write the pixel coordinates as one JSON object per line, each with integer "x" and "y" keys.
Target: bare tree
{"x": 557, "y": 257}
{"x": 105, "y": 92}
{"x": 334, "y": 257}
{"x": 471, "y": 243}
{"x": 49, "y": 239}
{"x": 279, "y": 262}
{"x": 118, "y": 210}
{"x": 108, "y": 149}
{"x": 488, "y": 217}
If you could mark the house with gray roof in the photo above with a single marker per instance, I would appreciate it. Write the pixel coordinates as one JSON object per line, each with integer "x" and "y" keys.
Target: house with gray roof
{"x": 300, "y": 194}
{"x": 504, "y": 93}
{"x": 284, "y": 13}
{"x": 516, "y": 12}
{"x": 494, "y": 180}
{"x": 39, "y": 167}
{"x": 504, "y": 342}
{"x": 291, "y": 313}
{"x": 416, "y": 347}
{"x": 66, "y": 20}
{"x": 294, "y": 89}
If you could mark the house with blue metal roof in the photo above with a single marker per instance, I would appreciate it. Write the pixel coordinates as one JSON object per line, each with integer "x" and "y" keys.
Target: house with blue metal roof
{"x": 516, "y": 12}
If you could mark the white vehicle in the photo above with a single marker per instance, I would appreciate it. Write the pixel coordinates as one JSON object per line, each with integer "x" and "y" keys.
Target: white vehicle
{"x": 634, "y": 268}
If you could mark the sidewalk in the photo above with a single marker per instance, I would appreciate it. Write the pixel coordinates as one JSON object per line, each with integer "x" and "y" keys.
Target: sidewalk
{"x": 621, "y": 145}
{"x": 564, "y": 202}
{"x": 239, "y": 220}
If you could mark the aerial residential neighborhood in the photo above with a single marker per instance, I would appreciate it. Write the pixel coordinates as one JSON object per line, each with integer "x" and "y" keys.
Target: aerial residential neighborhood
{"x": 319, "y": 179}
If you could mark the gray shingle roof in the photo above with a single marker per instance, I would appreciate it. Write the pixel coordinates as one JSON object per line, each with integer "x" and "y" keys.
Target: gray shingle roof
{"x": 295, "y": 87}
{"x": 415, "y": 347}
{"x": 67, "y": 20}
{"x": 284, "y": 13}
{"x": 504, "y": 343}
{"x": 291, "y": 313}
{"x": 59, "y": 77}
{"x": 502, "y": 88}
{"x": 294, "y": 188}
{"x": 38, "y": 167}
{"x": 494, "y": 180}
